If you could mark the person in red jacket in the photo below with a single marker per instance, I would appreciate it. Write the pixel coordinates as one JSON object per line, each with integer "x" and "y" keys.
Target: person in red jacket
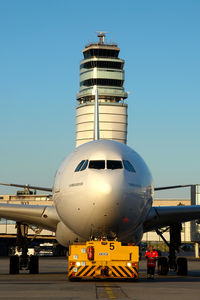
{"x": 151, "y": 257}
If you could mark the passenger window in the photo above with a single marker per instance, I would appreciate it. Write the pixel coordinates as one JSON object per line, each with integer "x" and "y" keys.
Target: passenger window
{"x": 79, "y": 166}
{"x": 128, "y": 166}
{"x": 97, "y": 164}
{"x": 114, "y": 164}
{"x": 84, "y": 166}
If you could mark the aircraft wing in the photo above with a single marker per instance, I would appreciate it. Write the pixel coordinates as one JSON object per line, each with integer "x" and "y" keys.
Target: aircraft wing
{"x": 45, "y": 189}
{"x": 162, "y": 216}
{"x": 39, "y": 215}
{"x": 172, "y": 187}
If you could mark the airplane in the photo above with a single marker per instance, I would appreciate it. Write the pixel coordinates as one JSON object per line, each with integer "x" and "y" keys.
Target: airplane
{"x": 102, "y": 190}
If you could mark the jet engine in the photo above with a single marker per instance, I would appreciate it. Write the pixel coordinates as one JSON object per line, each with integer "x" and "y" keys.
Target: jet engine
{"x": 133, "y": 237}
{"x": 65, "y": 236}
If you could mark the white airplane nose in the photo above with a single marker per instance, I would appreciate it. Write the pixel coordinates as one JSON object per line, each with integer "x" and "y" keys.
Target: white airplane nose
{"x": 102, "y": 187}
{"x": 106, "y": 190}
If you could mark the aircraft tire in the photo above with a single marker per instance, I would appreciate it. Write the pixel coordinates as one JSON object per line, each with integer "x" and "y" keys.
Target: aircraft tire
{"x": 14, "y": 264}
{"x": 182, "y": 266}
{"x": 34, "y": 264}
{"x": 163, "y": 267}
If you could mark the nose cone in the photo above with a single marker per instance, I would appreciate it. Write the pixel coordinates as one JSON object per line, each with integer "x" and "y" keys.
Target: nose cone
{"x": 107, "y": 190}
{"x": 115, "y": 205}
{"x": 104, "y": 205}
{"x": 101, "y": 187}
{"x": 105, "y": 194}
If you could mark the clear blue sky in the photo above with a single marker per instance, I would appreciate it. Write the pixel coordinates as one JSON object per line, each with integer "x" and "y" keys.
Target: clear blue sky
{"x": 41, "y": 44}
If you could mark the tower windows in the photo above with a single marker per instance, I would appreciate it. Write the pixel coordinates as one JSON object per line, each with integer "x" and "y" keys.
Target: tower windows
{"x": 102, "y": 81}
{"x": 99, "y": 52}
{"x": 102, "y": 64}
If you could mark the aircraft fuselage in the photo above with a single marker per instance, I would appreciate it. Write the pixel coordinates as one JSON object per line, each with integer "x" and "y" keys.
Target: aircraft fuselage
{"x": 104, "y": 189}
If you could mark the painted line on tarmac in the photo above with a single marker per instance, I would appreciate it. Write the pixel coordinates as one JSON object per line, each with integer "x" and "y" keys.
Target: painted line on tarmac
{"x": 109, "y": 291}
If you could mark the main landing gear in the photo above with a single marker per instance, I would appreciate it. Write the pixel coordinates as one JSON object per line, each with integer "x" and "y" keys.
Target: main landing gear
{"x": 178, "y": 265}
{"x": 24, "y": 261}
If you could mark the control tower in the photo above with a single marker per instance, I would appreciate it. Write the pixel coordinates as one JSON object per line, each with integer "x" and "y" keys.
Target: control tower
{"x": 102, "y": 67}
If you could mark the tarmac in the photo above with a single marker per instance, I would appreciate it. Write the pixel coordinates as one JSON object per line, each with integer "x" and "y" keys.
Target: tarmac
{"x": 52, "y": 283}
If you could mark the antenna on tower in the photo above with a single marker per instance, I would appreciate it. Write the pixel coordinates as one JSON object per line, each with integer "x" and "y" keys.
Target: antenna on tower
{"x": 101, "y": 35}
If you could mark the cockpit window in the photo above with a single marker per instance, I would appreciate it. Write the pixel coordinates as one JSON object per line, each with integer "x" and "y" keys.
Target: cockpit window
{"x": 84, "y": 166}
{"x": 97, "y": 164}
{"x": 101, "y": 164}
{"x": 114, "y": 164}
{"x": 128, "y": 166}
{"x": 79, "y": 166}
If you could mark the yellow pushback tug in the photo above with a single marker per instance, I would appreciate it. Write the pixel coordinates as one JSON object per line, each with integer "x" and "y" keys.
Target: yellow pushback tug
{"x": 103, "y": 259}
